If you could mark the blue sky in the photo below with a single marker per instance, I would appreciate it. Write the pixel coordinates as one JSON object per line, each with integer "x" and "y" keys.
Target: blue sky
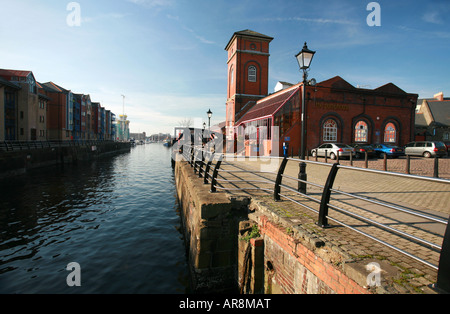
{"x": 167, "y": 56}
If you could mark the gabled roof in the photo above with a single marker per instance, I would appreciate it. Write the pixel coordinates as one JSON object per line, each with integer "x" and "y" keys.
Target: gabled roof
{"x": 8, "y": 83}
{"x": 52, "y": 87}
{"x": 336, "y": 82}
{"x": 420, "y": 120}
{"x": 11, "y": 73}
{"x": 269, "y": 105}
{"x": 390, "y": 89}
{"x": 440, "y": 111}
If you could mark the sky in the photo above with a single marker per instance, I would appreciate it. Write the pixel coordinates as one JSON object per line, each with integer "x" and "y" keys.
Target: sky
{"x": 168, "y": 58}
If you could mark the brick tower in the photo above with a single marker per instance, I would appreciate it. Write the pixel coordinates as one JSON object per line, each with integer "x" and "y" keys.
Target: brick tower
{"x": 248, "y": 73}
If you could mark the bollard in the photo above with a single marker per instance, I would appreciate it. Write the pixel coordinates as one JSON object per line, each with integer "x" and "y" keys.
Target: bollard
{"x": 385, "y": 162}
{"x": 366, "y": 159}
{"x": 436, "y": 167}
{"x": 326, "y": 155}
{"x": 408, "y": 164}
{"x": 302, "y": 176}
{"x": 351, "y": 160}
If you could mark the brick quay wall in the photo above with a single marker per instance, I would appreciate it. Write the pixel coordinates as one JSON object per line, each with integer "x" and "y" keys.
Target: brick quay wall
{"x": 277, "y": 246}
{"x": 285, "y": 255}
{"x": 20, "y": 161}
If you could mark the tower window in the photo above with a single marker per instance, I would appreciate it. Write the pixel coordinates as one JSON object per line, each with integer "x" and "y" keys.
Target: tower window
{"x": 252, "y": 73}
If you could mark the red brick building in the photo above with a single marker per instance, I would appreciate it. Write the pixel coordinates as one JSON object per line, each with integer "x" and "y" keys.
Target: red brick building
{"x": 336, "y": 111}
{"x": 248, "y": 73}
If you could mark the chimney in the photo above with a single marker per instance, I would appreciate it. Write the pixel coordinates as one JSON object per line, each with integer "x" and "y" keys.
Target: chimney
{"x": 439, "y": 96}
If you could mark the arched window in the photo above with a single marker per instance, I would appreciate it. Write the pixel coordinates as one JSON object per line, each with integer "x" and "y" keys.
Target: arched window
{"x": 252, "y": 73}
{"x": 330, "y": 131}
{"x": 390, "y": 133}
{"x": 361, "y": 132}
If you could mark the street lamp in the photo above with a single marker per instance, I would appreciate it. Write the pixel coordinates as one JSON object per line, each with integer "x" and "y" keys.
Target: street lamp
{"x": 304, "y": 59}
{"x": 123, "y": 118}
{"x": 209, "y": 113}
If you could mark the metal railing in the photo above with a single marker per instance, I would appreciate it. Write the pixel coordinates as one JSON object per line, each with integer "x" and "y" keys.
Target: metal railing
{"x": 208, "y": 166}
{"x": 9, "y": 146}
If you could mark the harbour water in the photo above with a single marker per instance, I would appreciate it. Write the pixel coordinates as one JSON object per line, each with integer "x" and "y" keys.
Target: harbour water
{"x": 117, "y": 217}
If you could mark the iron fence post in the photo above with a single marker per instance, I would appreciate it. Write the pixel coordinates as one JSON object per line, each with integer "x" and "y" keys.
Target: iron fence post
{"x": 215, "y": 173}
{"x": 443, "y": 278}
{"x": 201, "y": 162}
{"x": 208, "y": 166}
{"x": 195, "y": 160}
{"x": 192, "y": 156}
{"x": 323, "y": 211}
{"x": 277, "y": 188}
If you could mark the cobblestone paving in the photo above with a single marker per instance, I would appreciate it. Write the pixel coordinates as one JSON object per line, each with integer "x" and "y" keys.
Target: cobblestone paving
{"x": 422, "y": 196}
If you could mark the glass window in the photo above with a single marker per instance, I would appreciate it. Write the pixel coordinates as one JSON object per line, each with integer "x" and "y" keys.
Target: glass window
{"x": 252, "y": 73}
{"x": 361, "y": 132}
{"x": 330, "y": 131}
{"x": 390, "y": 133}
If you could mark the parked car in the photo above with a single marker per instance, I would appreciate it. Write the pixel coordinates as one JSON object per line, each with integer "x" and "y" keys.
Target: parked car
{"x": 361, "y": 149}
{"x": 333, "y": 149}
{"x": 426, "y": 149}
{"x": 389, "y": 150}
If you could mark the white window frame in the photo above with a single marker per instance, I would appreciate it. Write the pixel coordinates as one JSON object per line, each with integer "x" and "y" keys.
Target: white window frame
{"x": 252, "y": 73}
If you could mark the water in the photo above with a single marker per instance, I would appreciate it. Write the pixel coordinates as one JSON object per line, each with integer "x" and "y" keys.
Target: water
{"x": 116, "y": 217}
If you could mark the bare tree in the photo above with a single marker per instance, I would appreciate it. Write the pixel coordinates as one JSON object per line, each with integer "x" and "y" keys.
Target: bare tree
{"x": 186, "y": 122}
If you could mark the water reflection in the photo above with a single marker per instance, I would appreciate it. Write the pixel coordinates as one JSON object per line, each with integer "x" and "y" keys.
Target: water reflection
{"x": 117, "y": 217}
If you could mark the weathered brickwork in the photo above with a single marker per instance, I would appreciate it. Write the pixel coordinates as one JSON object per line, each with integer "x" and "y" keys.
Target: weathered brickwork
{"x": 296, "y": 269}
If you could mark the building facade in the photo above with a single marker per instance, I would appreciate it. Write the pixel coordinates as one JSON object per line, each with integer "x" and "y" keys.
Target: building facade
{"x": 123, "y": 128}
{"x": 25, "y": 110}
{"x": 33, "y": 111}
{"x": 60, "y": 112}
{"x": 433, "y": 119}
{"x": 8, "y": 110}
{"x": 335, "y": 111}
{"x": 248, "y": 74}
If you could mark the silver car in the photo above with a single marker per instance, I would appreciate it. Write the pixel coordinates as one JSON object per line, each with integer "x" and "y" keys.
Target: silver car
{"x": 333, "y": 150}
{"x": 426, "y": 149}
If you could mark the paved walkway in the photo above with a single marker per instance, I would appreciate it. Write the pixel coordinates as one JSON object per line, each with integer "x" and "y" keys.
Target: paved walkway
{"x": 416, "y": 195}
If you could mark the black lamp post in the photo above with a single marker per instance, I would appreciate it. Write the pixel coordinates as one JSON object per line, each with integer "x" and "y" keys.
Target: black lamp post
{"x": 209, "y": 113}
{"x": 304, "y": 59}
